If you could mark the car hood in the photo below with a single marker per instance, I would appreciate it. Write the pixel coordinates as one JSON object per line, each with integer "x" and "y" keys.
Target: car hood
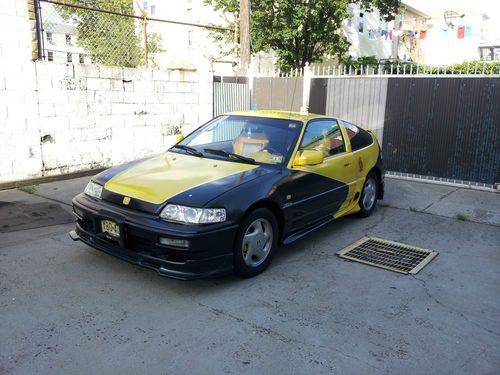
{"x": 162, "y": 177}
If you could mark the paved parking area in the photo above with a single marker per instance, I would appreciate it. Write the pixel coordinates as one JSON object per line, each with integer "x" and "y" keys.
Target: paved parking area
{"x": 66, "y": 308}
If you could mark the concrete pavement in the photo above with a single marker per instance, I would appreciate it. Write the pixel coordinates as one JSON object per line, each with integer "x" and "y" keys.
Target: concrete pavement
{"x": 67, "y": 308}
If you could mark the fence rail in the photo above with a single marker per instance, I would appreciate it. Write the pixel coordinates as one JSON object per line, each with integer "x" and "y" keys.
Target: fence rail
{"x": 393, "y": 69}
{"x": 116, "y": 35}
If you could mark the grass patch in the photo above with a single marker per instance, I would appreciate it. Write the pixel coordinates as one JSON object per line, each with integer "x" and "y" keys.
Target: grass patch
{"x": 30, "y": 189}
{"x": 413, "y": 209}
{"x": 385, "y": 205}
{"x": 461, "y": 216}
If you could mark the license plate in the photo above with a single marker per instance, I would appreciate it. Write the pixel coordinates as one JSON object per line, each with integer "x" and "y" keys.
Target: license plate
{"x": 111, "y": 228}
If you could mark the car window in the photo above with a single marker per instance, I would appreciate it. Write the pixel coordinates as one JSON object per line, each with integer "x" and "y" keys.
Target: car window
{"x": 359, "y": 138}
{"x": 266, "y": 140}
{"x": 325, "y": 136}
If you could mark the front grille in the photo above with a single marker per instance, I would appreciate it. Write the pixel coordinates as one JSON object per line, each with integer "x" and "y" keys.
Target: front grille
{"x": 391, "y": 255}
{"x": 86, "y": 225}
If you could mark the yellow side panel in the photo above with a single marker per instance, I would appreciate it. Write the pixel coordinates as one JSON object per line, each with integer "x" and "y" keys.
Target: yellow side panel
{"x": 166, "y": 175}
{"x": 363, "y": 161}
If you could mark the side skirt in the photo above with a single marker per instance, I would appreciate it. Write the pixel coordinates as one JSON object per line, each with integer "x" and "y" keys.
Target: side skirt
{"x": 303, "y": 232}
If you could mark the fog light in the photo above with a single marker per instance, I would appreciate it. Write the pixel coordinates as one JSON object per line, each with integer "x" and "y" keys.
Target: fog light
{"x": 174, "y": 242}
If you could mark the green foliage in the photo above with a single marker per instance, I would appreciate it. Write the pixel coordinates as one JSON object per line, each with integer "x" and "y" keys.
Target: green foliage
{"x": 413, "y": 209}
{"x": 461, "y": 216}
{"x": 466, "y": 67}
{"x": 108, "y": 39}
{"x": 155, "y": 46}
{"x": 360, "y": 61}
{"x": 30, "y": 189}
{"x": 303, "y": 30}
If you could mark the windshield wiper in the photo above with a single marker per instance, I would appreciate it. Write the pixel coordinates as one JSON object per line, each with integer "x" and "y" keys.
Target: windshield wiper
{"x": 229, "y": 155}
{"x": 191, "y": 150}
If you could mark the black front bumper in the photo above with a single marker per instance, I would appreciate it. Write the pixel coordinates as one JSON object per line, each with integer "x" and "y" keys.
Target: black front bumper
{"x": 209, "y": 252}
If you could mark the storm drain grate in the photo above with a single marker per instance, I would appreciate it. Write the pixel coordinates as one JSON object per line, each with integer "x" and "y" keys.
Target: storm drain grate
{"x": 394, "y": 256}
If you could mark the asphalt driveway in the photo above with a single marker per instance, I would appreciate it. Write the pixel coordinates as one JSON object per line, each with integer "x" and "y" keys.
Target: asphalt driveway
{"x": 68, "y": 309}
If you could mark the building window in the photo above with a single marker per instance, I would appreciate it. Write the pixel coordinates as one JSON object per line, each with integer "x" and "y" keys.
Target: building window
{"x": 153, "y": 9}
{"x": 496, "y": 54}
{"x": 361, "y": 24}
{"x": 69, "y": 57}
{"x": 190, "y": 38}
{"x": 49, "y": 38}
{"x": 50, "y": 56}
{"x": 68, "y": 39}
{"x": 81, "y": 58}
{"x": 145, "y": 6}
{"x": 486, "y": 54}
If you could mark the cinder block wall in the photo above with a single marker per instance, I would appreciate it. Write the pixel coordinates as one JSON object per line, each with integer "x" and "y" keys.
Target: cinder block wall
{"x": 63, "y": 118}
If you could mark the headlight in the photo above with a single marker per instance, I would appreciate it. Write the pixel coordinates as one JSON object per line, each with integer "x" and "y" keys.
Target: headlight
{"x": 191, "y": 215}
{"x": 94, "y": 190}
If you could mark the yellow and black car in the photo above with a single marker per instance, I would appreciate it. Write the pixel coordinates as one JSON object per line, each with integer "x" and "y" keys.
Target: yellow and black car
{"x": 223, "y": 198}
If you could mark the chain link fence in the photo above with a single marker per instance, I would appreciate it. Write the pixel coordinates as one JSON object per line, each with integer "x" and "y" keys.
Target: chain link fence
{"x": 106, "y": 32}
{"x": 74, "y": 32}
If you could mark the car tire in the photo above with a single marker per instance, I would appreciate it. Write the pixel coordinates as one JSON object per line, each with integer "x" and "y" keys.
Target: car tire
{"x": 369, "y": 194}
{"x": 255, "y": 243}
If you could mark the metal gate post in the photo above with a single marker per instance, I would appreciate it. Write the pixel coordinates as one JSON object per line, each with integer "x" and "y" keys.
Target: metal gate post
{"x": 306, "y": 89}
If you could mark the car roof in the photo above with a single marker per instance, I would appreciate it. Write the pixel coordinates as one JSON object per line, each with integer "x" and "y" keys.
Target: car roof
{"x": 280, "y": 114}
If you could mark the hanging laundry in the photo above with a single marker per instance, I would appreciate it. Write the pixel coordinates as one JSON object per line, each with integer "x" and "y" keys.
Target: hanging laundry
{"x": 372, "y": 34}
{"x": 383, "y": 33}
{"x": 361, "y": 27}
{"x": 423, "y": 34}
{"x": 388, "y": 35}
{"x": 460, "y": 32}
{"x": 411, "y": 33}
{"x": 468, "y": 31}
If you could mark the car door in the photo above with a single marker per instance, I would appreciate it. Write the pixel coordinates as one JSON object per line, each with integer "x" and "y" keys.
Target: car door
{"x": 320, "y": 190}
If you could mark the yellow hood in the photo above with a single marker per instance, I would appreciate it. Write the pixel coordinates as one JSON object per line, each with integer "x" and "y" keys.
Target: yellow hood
{"x": 163, "y": 176}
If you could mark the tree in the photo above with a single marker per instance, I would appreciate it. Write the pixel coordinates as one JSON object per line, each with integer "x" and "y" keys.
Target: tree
{"x": 108, "y": 39}
{"x": 302, "y": 31}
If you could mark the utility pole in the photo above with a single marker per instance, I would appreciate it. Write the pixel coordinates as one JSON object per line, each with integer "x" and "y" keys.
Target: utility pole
{"x": 235, "y": 38}
{"x": 244, "y": 36}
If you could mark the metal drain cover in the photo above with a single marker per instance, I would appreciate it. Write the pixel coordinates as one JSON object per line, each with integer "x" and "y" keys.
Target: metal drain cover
{"x": 394, "y": 256}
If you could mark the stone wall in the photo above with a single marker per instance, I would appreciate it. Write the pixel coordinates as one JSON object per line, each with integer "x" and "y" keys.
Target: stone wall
{"x": 63, "y": 118}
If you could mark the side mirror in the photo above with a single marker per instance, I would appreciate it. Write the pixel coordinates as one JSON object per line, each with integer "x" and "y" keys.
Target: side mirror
{"x": 178, "y": 138}
{"x": 309, "y": 157}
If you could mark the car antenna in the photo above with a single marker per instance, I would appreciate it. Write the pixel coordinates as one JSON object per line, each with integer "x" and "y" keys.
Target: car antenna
{"x": 293, "y": 97}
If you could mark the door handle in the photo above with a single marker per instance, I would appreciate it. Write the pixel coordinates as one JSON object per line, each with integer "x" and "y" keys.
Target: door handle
{"x": 347, "y": 164}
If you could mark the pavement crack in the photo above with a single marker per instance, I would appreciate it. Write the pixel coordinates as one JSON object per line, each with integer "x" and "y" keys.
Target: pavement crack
{"x": 259, "y": 329}
{"x": 441, "y": 198}
{"x": 451, "y": 309}
{"x": 265, "y": 331}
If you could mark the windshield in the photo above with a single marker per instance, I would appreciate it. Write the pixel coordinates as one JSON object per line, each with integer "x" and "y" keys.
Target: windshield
{"x": 244, "y": 139}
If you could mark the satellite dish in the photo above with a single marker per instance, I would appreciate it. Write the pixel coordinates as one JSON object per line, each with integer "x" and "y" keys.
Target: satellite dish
{"x": 450, "y": 16}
